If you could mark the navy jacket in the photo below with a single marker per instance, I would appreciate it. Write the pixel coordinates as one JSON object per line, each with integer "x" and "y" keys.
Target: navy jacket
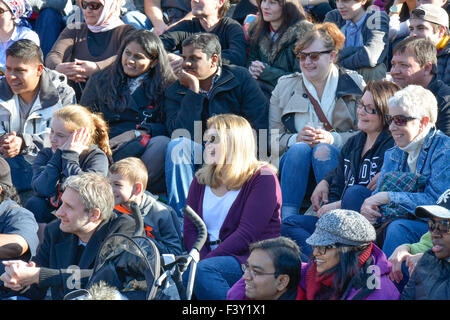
{"x": 442, "y": 93}
{"x": 352, "y": 168}
{"x": 51, "y": 169}
{"x": 235, "y": 91}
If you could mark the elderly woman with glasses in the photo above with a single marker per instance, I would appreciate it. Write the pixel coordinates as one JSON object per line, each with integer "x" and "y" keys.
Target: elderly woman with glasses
{"x": 360, "y": 162}
{"x": 345, "y": 263}
{"x": 82, "y": 49}
{"x": 321, "y": 95}
{"x": 415, "y": 172}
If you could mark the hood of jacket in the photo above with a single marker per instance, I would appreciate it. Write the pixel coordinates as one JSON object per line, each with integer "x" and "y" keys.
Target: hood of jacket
{"x": 289, "y": 37}
{"x": 49, "y": 86}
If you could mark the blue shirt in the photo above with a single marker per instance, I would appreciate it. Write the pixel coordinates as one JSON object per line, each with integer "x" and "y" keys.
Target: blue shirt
{"x": 353, "y": 32}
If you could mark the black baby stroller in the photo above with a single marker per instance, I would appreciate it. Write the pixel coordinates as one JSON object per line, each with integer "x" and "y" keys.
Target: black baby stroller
{"x": 131, "y": 268}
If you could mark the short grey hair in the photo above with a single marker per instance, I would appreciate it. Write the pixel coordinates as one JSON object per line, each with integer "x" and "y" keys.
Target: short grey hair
{"x": 418, "y": 101}
{"x": 95, "y": 192}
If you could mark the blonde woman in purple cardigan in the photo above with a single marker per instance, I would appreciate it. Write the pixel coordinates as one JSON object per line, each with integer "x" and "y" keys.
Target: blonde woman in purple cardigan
{"x": 238, "y": 198}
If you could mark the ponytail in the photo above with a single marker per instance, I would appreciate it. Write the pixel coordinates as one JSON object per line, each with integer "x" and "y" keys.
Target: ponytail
{"x": 101, "y": 137}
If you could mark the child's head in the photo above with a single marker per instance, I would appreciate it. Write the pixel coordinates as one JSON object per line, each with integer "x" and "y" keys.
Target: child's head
{"x": 73, "y": 117}
{"x": 128, "y": 178}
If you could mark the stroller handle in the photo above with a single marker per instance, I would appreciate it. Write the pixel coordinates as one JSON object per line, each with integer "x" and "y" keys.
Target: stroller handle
{"x": 136, "y": 213}
{"x": 199, "y": 224}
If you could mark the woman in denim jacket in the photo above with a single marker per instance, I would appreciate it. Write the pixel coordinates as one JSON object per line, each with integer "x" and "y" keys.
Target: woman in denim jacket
{"x": 420, "y": 149}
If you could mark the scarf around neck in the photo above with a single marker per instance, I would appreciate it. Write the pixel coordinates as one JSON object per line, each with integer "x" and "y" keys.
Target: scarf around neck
{"x": 316, "y": 282}
{"x": 414, "y": 147}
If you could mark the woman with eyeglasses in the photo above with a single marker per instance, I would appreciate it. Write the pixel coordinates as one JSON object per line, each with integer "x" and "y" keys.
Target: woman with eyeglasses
{"x": 360, "y": 161}
{"x": 415, "y": 172}
{"x": 272, "y": 36}
{"x": 321, "y": 94}
{"x": 129, "y": 94}
{"x": 13, "y": 28}
{"x": 84, "y": 48}
{"x": 239, "y": 199}
{"x": 345, "y": 263}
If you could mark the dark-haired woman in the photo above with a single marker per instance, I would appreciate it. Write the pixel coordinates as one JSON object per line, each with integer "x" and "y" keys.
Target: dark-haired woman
{"x": 129, "y": 94}
{"x": 273, "y": 35}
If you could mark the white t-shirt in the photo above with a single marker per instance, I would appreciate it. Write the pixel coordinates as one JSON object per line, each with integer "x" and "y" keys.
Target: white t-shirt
{"x": 215, "y": 210}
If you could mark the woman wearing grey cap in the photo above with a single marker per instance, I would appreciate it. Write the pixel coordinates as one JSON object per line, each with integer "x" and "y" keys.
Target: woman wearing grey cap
{"x": 345, "y": 264}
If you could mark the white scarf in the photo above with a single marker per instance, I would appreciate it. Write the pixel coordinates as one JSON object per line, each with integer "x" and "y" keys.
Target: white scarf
{"x": 414, "y": 147}
{"x": 327, "y": 103}
{"x": 109, "y": 18}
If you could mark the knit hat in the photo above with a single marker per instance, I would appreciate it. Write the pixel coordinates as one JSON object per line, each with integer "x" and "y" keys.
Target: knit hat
{"x": 431, "y": 13}
{"x": 19, "y": 8}
{"x": 5, "y": 173}
{"x": 346, "y": 227}
{"x": 440, "y": 210}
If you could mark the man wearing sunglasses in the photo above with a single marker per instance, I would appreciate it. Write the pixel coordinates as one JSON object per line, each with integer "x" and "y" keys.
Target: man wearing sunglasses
{"x": 414, "y": 62}
{"x": 431, "y": 278}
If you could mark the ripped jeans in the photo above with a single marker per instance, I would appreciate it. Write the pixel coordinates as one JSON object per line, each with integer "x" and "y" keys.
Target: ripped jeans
{"x": 295, "y": 165}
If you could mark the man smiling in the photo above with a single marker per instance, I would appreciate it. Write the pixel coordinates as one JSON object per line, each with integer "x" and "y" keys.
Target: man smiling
{"x": 431, "y": 278}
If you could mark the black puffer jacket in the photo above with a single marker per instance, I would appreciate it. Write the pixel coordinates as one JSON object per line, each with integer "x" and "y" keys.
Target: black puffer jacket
{"x": 430, "y": 280}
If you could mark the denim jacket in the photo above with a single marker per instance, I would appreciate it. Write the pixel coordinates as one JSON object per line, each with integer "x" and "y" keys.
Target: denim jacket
{"x": 433, "y": 163}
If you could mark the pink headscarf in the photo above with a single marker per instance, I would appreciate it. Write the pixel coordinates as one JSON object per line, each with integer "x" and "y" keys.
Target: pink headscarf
{"x": 110, "y": 16}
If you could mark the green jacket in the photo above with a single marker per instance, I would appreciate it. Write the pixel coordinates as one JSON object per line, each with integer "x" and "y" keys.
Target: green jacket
{"x": 423, "y": 245}
{"x": 279, "y": 60}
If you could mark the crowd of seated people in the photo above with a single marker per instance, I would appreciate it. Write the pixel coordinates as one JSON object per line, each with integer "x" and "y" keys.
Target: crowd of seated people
{"x": 311, "y": 137}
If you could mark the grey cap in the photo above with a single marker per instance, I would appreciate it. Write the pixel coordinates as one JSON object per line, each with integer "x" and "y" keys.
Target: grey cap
{"x": 342, "y": 226}
{"x": 431, "y": 13}
{"x": 440, "y": 210}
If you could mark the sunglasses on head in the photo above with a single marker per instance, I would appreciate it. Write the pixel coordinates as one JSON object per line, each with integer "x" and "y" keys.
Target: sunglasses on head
{"x": 91, "y": 5}
{"x": 399, "y": 120}
{"x": 441, "y": 227}
{"x": 314, "y": 56}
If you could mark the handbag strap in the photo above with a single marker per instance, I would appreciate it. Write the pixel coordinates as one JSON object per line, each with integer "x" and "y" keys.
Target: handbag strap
{"x": 318, "y": 110}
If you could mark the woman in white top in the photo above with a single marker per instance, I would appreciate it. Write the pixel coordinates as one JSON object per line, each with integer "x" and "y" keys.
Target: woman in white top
{"x": 322, "y": 93}
{"x": 11, "y": 30}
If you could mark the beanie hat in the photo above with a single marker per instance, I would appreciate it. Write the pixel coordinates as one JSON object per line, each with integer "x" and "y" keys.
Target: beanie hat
{"x": 346, "y": 227}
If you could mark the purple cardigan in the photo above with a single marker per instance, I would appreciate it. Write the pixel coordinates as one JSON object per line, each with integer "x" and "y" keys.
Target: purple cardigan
{"x": 254, "y": 216}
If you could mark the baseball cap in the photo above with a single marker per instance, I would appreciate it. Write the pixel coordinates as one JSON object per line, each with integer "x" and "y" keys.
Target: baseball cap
{"x": 440, "y": 210}
{"x": 431, "y": 13}
{"x": 5, "y": 173}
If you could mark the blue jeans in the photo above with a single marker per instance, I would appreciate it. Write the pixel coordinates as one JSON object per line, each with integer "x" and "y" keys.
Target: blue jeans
{"x": 214, "y": 277}
{"x": 48, "y": 26}
{"x": 299, "y": 228}
{"x": 21, "y": 173}
{"x": 295, "y": 165}
{"x": 403, "y": 231}
{"x": 183, "y": 157}
{"x": 354, "y": 197}
{"x": 137, "y": 19}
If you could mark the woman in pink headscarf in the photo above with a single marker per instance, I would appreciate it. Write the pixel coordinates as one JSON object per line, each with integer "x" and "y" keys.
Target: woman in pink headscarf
{"x": 85, "y": 48}
{"x": 11, "y": 28}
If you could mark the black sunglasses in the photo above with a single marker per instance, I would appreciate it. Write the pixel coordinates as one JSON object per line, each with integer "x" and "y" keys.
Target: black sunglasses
{"x": 399, "y": 120}
{"x": 441, "y": 227}
{"x": 314, "y": 56}
{"x": 91, "y": 5}
{"x": 367, "y": 109}
{"x": 321, "y": 250}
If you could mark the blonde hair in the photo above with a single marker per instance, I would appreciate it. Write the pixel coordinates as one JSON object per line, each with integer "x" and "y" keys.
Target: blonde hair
{"x": 238, "y": 161}
{"x": 132, "y": 169}
{"x": 75, "y": 117}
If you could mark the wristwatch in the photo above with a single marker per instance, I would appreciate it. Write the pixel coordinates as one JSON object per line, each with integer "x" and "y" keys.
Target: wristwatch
{"x": 395, "y": 9}
{"x": 137, "y": 133}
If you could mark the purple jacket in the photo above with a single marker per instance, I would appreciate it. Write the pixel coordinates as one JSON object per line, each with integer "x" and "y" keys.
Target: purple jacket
{"x": 386, "y": 289}
{"x": 254, "y": 216}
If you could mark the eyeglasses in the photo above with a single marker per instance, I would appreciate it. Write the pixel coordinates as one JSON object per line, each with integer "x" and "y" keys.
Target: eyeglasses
{"x": 254, "y": 273}
{"x": 441, "y": 227}
{"x": 321, "y": 250}
{"x": 91, "y": 5}
{"x": 399, "y": 120}
{"x": 366, "y": 108}
{"x": 314, "y": 56}
{"x": 2, "y": 11}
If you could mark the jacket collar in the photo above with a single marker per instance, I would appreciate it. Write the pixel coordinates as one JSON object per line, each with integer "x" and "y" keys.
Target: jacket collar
{"x": 48, "y": 93}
